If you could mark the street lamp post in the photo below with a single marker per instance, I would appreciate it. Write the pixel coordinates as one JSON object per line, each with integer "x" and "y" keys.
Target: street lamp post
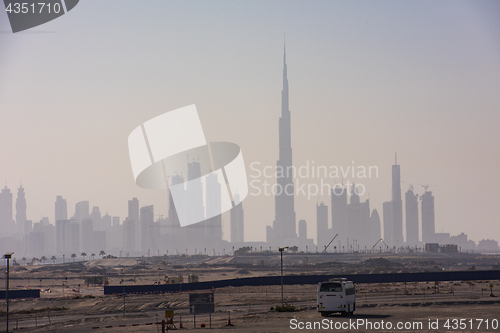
{"x": 7, "y": 256}
{"x": 281, "y": 252}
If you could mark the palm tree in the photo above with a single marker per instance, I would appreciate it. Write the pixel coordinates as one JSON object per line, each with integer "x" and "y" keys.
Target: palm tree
{"x": 73, "y": 256}
{"x": 102, "y": 253}
{"x": 43, "y": 259}
{"x": 93, "y": 256}
{"x": 84, "y": 255}
{"x": 53, "y": 259}
{"x": 24, "y": 260}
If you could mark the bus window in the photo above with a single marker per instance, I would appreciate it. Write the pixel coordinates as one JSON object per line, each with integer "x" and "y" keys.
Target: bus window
{"x": 331, "y": 287}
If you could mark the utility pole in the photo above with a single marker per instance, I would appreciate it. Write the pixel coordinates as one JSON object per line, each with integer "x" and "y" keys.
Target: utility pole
{"x": 281, "y": 252}
{"x": 7, "y": 256}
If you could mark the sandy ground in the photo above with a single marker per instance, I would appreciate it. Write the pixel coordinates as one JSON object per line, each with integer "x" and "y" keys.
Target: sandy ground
{"x": 66, "y": 307}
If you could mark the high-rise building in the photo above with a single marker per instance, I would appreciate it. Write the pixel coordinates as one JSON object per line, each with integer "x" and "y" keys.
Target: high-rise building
{"x": 147, "y": 224}
{"x": 61, "y": 209}
{"x": 428, "y": 223}
{"x": 129, "y": 235}
{"x": 5, "y": 208}
{"x": 67, "y": 237}
{"x": 322, "y": 226}
{"x": 99, "y": 241}
{"x": 339, "y": 211}
{"x": 374, "y": 232}
{"x": 194, "y": 233}
{"x": 213, "y": 225}
{"x": 357, "y": 222}
{"x": 87, "y": 227}
{"x": 96, "y": 217}
{"x": 21, "y": 208}
{"x": 387, "y": 213}
{"x": 172, "y": 210}
{"x": 81, "y": 211}
{"x": 133, "y": 217}
{"x": 284, "y": 225}
{"x": 411, "y": 209}
{"x": 397, "y": 206}
{"x": 303, "y": 230}
{"x": 236, "y": 223}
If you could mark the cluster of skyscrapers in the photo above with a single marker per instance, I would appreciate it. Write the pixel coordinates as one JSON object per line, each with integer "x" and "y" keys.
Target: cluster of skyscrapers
{"x": 355, "y": 226}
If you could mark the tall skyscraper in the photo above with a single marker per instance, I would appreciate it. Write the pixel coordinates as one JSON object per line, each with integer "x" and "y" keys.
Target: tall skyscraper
{"x": 374, "y": 234}
{"x": 428, "y": 223}
{"x": 357, "y": 222}
{"x": 87, "y": 232}
{"x": 411, "y": 208}
{"x": 303, "y": 230}
{"x": 339, "y": 211}
{"x": 96, "y": 217}
{"x": 133, "y": 220}
{"x": 21, "y": 207}
{"x": 237, "y": 226}
{"x": 67, "y": 237}
{"x": 284, "y": 225}
{"x": 129, "y": 235}
{"x": 147, "y": 224}
{"x": 61, "y": 209}
{"x": 322, "y": 226}
{"x": 5, "y": 208}
{"x": 387, "y": 213}
{"x": 213, "y": 225}
{"x": 81, "y": 211}
{"x": 397, "y": 206}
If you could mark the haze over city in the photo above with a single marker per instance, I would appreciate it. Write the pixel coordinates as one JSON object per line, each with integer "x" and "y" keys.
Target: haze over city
{"x": 366, "y": 80}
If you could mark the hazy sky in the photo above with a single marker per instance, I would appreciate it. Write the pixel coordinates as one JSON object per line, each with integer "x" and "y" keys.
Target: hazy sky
{"x": 367, "y": 79}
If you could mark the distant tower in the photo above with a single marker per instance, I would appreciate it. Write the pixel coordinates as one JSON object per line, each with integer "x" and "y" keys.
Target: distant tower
{"x": 387, "y": 213}
{"x": 172, "y": 210}
{"x": 147, "y": 224}
{"x": 339, "y": 211}
{"x": 21, "y": 207}
{"x": 96, "y": 217}
{"x": 81, "y": 211}
{"x": 354, "y": 195}
{"x": 5, "y": 207}
{"x": 213, "y": 225}
{"x": 284, "y": 226}
{"x": 374, "y": 233}
{"x": 397, "y": 206}
{"x": 411, "y": 208}
{"x": 61, "y": 209}
{"x": 303, "y": 229}
{"x": 194, "y": 190}
{"x": 133, "y": 220}
{"x": 237, "y": 225}
{"x": 322, "y": 226}
{"x": 194, "y": 207}
{"x": 428, "y": 224}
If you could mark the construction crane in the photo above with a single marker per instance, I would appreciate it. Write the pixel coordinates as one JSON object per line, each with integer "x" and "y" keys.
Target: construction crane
{"x": 326, "y": 247}
{"x": 426, "y": 186}
{"x": 381, "y": 239}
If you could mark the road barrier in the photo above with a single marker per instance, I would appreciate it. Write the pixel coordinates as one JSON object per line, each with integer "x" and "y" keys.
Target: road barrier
{"x": 468, "y": 275}
{"x": 28, "y": 293}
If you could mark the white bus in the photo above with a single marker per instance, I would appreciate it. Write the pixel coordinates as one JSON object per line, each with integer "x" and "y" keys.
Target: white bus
{"x": 336, "y": 295}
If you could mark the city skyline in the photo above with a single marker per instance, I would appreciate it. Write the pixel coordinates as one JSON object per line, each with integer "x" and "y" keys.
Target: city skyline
{"x": 420, "y": 80}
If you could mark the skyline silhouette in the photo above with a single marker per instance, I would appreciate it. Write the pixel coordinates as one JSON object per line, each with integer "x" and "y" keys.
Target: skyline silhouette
{"x": 365, "y": 82}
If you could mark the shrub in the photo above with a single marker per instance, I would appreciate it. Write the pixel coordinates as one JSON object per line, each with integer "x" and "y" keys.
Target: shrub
{"x": 286, "y": 308}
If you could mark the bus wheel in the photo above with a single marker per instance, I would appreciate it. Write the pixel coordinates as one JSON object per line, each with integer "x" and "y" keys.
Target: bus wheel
{"x": 324, "y": 314}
